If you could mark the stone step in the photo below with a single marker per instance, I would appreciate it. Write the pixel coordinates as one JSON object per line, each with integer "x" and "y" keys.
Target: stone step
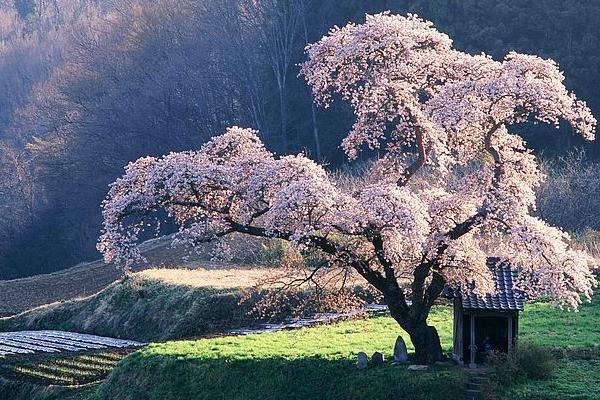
{"x": 477, "y": 380}
{"x": 477, "y": 371}
{"x": 474, "y": 394}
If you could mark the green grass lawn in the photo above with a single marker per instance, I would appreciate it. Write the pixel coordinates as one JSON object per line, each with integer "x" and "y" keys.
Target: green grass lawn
{"x": 572, "y": 380}
{"x": 574, "y": 338}
{"x": 315, "y": 363}
{"x": 318, "y": 363}
{"x": 551, "y": 327}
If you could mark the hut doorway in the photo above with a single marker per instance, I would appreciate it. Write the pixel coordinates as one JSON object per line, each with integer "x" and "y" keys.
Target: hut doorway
{"x": 493, "y": 328}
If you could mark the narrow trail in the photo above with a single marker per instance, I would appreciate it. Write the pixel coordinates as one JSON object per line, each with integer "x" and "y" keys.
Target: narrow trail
{"x": 319, "y": 319}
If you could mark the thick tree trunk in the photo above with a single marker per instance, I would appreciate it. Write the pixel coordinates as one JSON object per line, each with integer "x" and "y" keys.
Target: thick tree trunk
{"x": 427, "y": 344}
{"x": 413, "y": 319}
{"x": 425, "y": 338}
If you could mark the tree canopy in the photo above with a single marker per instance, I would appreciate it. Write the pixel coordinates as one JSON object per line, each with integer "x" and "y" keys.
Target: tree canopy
{"x": 455, "y": 185}
{"x": 111, "y": 81}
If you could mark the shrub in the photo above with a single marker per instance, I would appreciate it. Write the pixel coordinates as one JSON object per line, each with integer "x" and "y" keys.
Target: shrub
{"x": 529, "y": 361}
{"x": 503, "y": 367}
{"x": 273, "y": 252}
{"x": 533, "y": 361}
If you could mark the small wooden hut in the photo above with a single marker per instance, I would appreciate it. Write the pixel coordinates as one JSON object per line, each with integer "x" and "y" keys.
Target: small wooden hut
{"x": 490, "y": 321}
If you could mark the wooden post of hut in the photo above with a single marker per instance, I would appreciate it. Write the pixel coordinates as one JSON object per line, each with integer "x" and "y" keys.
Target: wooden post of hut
{"x": 490, "y": 321}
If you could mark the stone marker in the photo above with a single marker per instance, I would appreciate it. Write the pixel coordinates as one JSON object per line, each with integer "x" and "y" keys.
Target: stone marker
{"x": 377, "y": 359}
{"x": 417, "y": 367}
{"x": 362, "y": 360}
{"x": 400, "y": 352}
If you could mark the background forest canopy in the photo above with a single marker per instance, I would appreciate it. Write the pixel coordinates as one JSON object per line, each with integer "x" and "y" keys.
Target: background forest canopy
{"x": 90, "y": 85}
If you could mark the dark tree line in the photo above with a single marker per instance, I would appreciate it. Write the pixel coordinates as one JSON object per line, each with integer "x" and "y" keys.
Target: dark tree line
{"x": 89, "y": 85}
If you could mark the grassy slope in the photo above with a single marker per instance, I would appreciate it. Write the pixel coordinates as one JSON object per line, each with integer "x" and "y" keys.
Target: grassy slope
{"x": 85, "y": 279}
{"x": 155, "y": 305}
{"x": 19, "y": 295}
{"x": 25, "y": 391}
{"x": 316, "y": 363}
{"x": 141, "y": 309}
{"x": 312, "y": 364}
{"x": 550, "y": 327}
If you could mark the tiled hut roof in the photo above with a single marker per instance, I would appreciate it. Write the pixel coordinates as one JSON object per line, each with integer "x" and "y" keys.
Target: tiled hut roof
{"x": 506, "y": 298}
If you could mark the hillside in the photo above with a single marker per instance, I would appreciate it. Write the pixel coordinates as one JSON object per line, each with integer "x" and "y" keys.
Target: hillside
{"x": 86, "y": 279}
{"x": 79, "y": 99}
{"x": 82, "y": 280}
{"x": 319, "y": 363}
{"x": 152, "y": 305}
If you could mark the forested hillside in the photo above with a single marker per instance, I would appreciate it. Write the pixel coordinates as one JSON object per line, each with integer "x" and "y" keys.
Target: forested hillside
{"x": 87, "y": 86}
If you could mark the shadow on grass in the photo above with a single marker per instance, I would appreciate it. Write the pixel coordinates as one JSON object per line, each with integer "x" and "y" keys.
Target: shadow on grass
{"x": 166, "y": 377}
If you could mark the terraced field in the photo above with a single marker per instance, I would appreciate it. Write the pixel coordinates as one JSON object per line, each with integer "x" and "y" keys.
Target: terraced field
{"x": 45, "y": 341}
{"x": 68, "y": 369}
{"x": 60, "y": 358}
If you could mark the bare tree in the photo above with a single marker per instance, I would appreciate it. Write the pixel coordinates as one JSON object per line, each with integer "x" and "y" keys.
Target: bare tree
{"x": 278, "y": 22}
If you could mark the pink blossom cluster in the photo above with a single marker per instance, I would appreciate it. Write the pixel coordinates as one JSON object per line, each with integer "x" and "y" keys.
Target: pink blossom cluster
{"x": 453, "y": 187}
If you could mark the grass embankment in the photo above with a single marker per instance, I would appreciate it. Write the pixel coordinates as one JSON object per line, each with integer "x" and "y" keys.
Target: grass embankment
{"x": 13, "y": 390}
{"x": 165, "y": 304}
{"x": 315, "y": 363}
{"x": 152, "y": 305}
{"x": 85, "y": 279}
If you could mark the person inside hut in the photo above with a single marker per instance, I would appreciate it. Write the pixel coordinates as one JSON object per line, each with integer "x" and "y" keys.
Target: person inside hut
{"x": 486, "y": 347}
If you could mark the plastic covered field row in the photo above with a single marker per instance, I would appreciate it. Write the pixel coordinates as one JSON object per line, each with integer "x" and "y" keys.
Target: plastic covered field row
{"x": 31, "y": 342}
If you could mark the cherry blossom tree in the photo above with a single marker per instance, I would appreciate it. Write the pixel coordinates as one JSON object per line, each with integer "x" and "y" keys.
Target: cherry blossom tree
{"x": 454, "y": 184}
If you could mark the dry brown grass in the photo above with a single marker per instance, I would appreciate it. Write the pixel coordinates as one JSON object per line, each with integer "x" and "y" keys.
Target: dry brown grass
{"x": 221, "y": 278}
